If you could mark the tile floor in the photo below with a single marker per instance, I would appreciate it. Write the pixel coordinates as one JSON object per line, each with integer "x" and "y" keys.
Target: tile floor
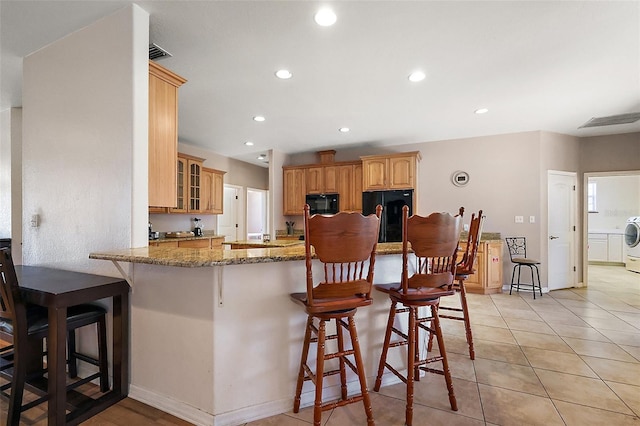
{"x": 571, "y": 357}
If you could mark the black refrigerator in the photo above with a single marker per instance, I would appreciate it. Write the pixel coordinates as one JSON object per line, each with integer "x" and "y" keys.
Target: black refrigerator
{"x": 392, "y": 203}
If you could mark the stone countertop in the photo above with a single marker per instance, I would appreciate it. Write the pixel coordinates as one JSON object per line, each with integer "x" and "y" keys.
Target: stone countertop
{"x": 193, "y": 258}
{"x": 266, "y": 244}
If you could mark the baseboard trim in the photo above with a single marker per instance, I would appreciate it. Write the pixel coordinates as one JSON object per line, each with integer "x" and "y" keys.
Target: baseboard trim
{"x": 168, "y": 405}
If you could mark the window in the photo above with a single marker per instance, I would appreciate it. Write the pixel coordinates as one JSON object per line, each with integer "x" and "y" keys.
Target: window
{"x": 591, "y": 198}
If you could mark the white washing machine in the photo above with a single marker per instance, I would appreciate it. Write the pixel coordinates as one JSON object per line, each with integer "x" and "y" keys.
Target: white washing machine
{"x": 632, "y": 242}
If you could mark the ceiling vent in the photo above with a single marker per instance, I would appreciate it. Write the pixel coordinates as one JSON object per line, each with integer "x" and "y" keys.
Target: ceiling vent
{"x": 157, "y": 52}
{"x": 612, "y": 120}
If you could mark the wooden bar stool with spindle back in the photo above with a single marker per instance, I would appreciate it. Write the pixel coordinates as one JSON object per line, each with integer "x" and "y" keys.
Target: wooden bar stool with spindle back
{"x": 434, "y": 242}
{"x": 465, "y": 268}
{"x": 344, "y": 243}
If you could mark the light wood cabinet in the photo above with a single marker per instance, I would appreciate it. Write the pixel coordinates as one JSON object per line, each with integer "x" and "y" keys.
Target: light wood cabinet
{"x": 189, "y": 170}
{"x": 294, "y": 190}
{"x": 357, "y": 187}
{"x": 331, "y": 179}
{"x": 211, "y": 243}
{"x": 488, "y": 276}
{"x": 212, "y": 191}
{"x": 163, "y": 135}
{"x": 314, "y": 180}
{"x": 386, "y": 172}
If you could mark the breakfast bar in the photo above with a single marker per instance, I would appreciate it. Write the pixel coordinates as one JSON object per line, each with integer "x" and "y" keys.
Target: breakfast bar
{"x": 220, "y": 326}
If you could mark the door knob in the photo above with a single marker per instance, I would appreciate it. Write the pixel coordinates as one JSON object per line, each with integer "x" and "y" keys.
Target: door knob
{"x": 553, "y": 237}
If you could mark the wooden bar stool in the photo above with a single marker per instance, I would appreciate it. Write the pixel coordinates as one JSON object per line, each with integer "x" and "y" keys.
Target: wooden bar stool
{"x": 434, "y": 241}
{"x": 465, "y": 268}
{"x": 344, "y": 243}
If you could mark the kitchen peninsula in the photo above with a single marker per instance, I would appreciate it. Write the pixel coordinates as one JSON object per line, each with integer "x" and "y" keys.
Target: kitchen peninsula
{"x": 216, "y": 340}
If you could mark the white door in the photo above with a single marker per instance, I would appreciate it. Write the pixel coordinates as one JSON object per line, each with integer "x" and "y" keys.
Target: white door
{"x": 257, "y": 213}
{"x": 228, "y": 221}
{"x": 562, "y": 200}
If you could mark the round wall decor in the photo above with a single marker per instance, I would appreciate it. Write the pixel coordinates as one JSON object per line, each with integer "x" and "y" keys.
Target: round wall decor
{"x": 460, "y": 178}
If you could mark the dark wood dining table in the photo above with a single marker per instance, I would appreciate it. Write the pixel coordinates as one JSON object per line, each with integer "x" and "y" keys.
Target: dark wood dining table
{"x": 56, "y": 290}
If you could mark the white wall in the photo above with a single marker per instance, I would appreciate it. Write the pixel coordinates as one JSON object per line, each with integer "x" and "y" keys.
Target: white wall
{"x": 11, "y": 180}
{"x": 85, "y": 143}
{"x": 618, "y": 198}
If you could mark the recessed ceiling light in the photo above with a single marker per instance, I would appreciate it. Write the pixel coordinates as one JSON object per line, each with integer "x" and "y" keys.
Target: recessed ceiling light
{"x": 482, "y": 111}
{"x": 284, "y": 74}
{"x": 417, "y": 76}
{"x": 325, "y": 17}
{"x": 262, "y": 157}
{"x": 258, "y": 118}
{"x": 248, "y": 143}
{"x": 344, "y": 129}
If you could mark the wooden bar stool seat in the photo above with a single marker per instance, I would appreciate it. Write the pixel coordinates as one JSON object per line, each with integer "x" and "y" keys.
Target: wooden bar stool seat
{"x": 345, "y": 245}
{"x": 434, "y": 242}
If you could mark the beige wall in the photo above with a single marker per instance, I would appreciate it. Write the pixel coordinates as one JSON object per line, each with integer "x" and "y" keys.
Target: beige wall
{"x": 610, "y": 153}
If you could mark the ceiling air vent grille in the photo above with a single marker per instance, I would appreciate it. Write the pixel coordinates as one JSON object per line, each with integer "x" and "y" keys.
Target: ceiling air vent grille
{"x": 612, "y": 119}
{"x": 157, "y": 52}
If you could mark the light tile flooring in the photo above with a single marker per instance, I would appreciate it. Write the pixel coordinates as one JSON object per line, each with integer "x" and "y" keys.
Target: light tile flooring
{"x": 571, "y": 357}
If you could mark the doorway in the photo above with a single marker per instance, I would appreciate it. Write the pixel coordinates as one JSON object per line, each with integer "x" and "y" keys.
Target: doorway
{"x": 229, "y": 222}
{"x": 561, "y": 228}
{"x": 257, "y": 213}
{"x": 610, "y": 198}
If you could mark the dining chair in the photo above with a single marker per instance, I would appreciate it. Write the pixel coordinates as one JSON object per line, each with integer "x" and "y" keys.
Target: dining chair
{"x": 433, "y": 241}
{"x": 27, "y": 325}
{"x": 517, "y": 247}
{"x": 466, "y": 267}
{"x": 345, "y": 245}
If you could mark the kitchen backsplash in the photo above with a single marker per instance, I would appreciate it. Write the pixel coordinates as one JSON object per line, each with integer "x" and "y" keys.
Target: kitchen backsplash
{"x": 181, "y": 222}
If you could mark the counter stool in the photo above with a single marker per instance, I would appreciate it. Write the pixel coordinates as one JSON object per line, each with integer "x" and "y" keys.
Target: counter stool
{"x": 518, "y": 253}
{"x": 434, "y": 242}
{"x": 465, "y": 268}
{"x": 344, "y": 243}
{"x": 27, "y": 326}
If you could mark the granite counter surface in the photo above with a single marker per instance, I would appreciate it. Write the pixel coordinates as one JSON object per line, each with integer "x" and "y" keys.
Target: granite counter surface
{"x": 194, "y": 258}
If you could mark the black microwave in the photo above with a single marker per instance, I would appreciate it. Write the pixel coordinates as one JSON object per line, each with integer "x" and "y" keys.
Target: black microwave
{"x": 323, "y": 203}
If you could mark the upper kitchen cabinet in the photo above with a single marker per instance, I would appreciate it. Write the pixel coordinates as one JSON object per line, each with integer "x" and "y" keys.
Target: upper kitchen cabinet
{"x": 394, "y": 171}
{"x": 189, "y": 184}
{"x": 163, "y": 135}
{"x": 212, "y": 191}
{"x": 314, "y": 180}
{"x": 294, "y": 190}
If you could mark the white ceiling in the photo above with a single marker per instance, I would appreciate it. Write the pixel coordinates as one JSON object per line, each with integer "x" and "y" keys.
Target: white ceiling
{"x": 535, "y": 65}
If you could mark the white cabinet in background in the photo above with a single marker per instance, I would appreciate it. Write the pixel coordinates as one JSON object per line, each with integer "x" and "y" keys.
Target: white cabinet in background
{"x": 614, "y": 247}
{"x": 598, "y": 247}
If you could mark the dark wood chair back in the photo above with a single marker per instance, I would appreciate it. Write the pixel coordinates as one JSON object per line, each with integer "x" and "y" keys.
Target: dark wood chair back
{"x": 11, "y": 306}
{"x": 467, "y": 263}
{"x": 434, "y": 241}
{"x": 345, "y": 243}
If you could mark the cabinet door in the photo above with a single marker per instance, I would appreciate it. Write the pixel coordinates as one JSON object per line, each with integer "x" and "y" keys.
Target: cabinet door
{"x": 217, "y": 194}
{"x": 345, "y": 187}
{"x": 195, "y": 170}
{"x": 374, "y": 174}
{"x": 203, "y": 243}
{"x": 293, "y": 191}
{"x": 598, "y": 247}
{"x": 614, "y": 248}
{"x": 356, "y": 198}
{"x": 182, "y": 185}
{"x": 493, "y": 263}
{"x": 331, "y": 179}
{"x": 206, "y": 200}
{"x": 314, "y": 180}
{"x": 402, "y": 172}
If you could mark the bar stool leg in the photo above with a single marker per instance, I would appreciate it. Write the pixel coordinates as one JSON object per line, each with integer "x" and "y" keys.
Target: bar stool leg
{"x": 445, "y": 363}
{"x": 361, "y": 373}
{"x": 343, "y": 373}
{"x": 303, "y": 361}
{"x": 411, "y": 356}
{"x": 385, "y": 346}
{"x": 317, "y": 406}
{"x": 465, "y": 316}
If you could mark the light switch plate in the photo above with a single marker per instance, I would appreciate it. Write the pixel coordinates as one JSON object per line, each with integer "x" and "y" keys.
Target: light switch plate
{"x": 532, "y": 219}
{"x": 519, "y": 219}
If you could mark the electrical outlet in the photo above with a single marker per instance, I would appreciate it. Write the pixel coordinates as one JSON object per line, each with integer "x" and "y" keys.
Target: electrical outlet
{"x": 465, "y": 227}
{"x": 35, "y": 220}
{"x": 519, "y": 219}
{"x": 532, "y": 219}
